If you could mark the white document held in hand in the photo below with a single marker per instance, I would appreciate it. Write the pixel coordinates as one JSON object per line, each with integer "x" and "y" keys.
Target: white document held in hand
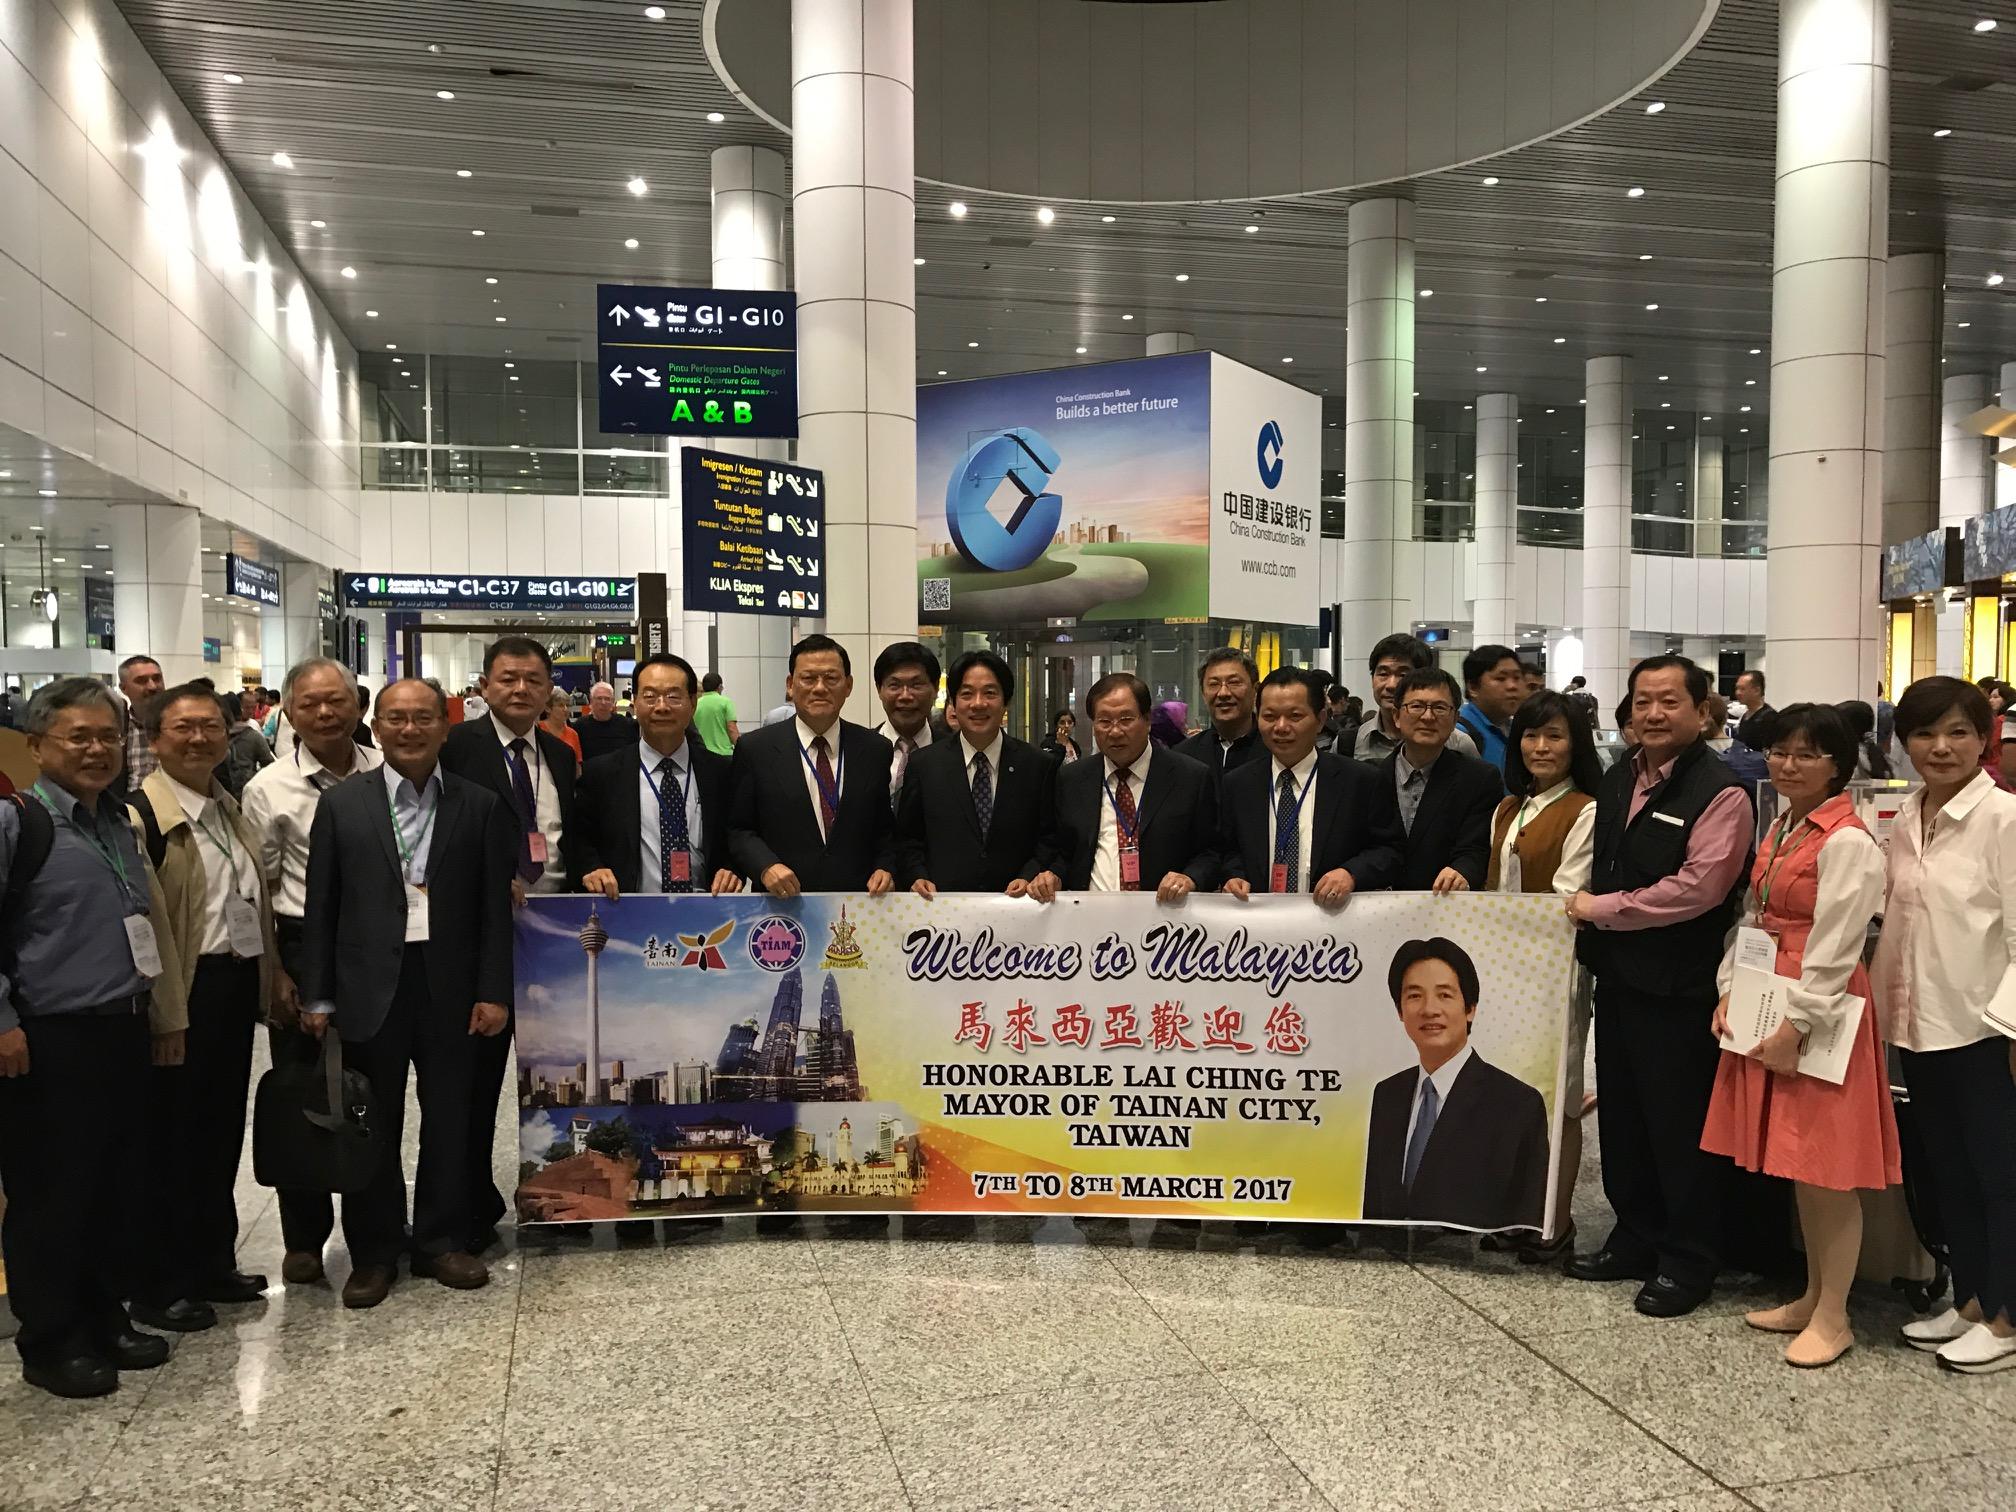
{"x": 1757, "y": 997}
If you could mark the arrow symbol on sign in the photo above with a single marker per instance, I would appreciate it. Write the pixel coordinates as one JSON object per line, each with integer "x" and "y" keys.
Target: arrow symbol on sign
{"x": 812, "y": 603}
{"x": 617, "y": 374}
{"x": 812, "y": 529}
{"x": 811, "y": 488}
{"x": 618, "y": 314}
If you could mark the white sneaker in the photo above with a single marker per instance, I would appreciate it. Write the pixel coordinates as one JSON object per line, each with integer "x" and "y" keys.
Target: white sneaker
{"x": 1979, "y": 1351}
{"x": 1929, "y": 1333}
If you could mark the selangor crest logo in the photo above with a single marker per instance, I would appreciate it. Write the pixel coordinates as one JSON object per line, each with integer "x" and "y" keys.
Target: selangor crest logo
{"x": 1023, "y": 458}
{"x": 777, "y": 943}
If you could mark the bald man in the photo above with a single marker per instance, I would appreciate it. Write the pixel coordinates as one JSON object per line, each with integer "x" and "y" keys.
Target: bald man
{"x": 600, "y": 728}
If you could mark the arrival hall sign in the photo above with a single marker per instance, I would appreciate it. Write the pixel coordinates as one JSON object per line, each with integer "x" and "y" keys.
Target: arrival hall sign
{"x": 696, "y": 362}
{"x": 691, "y": 1056}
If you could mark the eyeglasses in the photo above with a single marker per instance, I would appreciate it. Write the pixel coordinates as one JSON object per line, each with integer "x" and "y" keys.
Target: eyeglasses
{"x": 90, "y": 742}
{"x": 652, "y": 697}
{"x": 819, "y": 679}
{"x": 1428, "y": 710}
{"x": 403, "y": 721}
{"x": 189, "y": 729}
{"x": 1795, "y": 758}
{"x": 1115, "y": 726}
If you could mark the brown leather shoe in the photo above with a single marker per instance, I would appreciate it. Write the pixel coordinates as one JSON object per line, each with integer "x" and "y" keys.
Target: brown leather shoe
{"x": 453, "y": 1268}
{"x": 368, "y": 1285}
{"x": 301, "y": 1268}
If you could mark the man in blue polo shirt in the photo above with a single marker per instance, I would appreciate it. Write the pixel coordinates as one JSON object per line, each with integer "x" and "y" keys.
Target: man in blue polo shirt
{"x": 1495, "y": 683}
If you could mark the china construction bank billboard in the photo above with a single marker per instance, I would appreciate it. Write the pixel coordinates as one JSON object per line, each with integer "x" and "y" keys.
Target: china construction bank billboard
{"x": 1165, "y": 488}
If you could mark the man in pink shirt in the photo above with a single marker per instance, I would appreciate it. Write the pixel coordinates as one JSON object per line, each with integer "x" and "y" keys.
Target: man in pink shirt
{"x": 1674, "y": 836}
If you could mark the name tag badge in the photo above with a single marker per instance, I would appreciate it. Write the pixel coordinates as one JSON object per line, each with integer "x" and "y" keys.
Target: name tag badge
{"x": 537, "y": 842}
{"x": 1673, "y": 819}
{"x": 1279, "y": 882}
{"x": 416, "y": 914}
{"x": 241, "y": 923}
{"x": 682, "y": 866}
{"x": 140, "y": 941}
{"x": 1130, "y": 867}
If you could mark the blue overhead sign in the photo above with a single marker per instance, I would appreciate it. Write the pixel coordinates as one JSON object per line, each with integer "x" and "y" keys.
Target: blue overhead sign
{"x": 497, "y": 595}
{"x": 755, "y": 535}
{"x": 245, "y": 578}
{"x": 696, "y": 362}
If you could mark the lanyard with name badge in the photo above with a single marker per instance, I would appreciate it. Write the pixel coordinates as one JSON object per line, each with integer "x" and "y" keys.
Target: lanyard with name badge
{"x": 535, "y": 772}
{"x": 241, "y": 919}
{"x": 140, "y": 940}
{"x": 1278, "y": 878}
{"x": 416, "y": 892}
{"x": 680, "y": 862}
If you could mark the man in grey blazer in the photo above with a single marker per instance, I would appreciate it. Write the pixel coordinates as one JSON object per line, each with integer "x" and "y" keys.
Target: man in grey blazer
{"x": 407, "y": 954}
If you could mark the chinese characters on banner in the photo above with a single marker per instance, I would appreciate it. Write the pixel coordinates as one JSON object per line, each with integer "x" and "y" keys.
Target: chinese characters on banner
{"x": 686, "y": 1056}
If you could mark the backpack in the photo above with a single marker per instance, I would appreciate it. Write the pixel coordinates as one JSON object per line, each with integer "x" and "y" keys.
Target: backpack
{"x": 157, "y": 843}
{"x": 31, "y": 850}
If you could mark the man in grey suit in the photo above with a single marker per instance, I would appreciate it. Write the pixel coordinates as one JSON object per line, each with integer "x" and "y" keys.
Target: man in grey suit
{"x": 407, "y": 953}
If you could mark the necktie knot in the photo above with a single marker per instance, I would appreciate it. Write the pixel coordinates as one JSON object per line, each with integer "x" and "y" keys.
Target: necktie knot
{"x": 1123, "y": 775}
{"x": 519, "y": 746}
{"x": 1287, "y": 785}
{"x": 819, "y": 745}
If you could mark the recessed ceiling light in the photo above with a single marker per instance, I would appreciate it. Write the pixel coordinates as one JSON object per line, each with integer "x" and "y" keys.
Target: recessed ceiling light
{"x": 500, "y": 319}
{"x": 1742, "y": 430}
{"x": 1943, "y": 131}
{"x": 1636, "y": 191}
{"x": 1965, "y": 324}
{"x": 391, "y": 346}
{"x": 1539, "y": 299}
{"x": 1250, "y": 230}
{"x": 1749, "y": 383}
{"x": 957, "y": 209}
{"x": 463, "y": 173}
{"x": 1655, "y": 107}
{"x": 489, "y": 280}
{"x": 654, "y": 13}
{"x": 234, "y": 78}
{"x": 514, "y": 378}
{"x": 1652, "y": 307}
{"x": 1182, "y": 278}
{"x": 1644, "y": 257}
{"x": 1107, "y": 219}
{"x": 1287, "y": 359}
{"x": 1126, "y": 317}
{"x": 941, "y": 372}
{"x": 972, "y": 343}
{"x": 1489, "y": 182}
{"x": 1045, "y": 214}
{"x": 1079, "y": 350}
{"x": 637, "y": 186}
{"x": 1665, "y": 404}
{"x": 917, "y": 262}
{"x": 716, "y": 117}
{"x": 630, "y": 242}
{"x": 1742, "y": 409}
{"x": 1481, "y": 370}
{"x": 47, "y": 493}
{"x": 1559, "y": 339}
{"x": 475, "y": 233}
{"x": 1550, "y": 412}
{"x": 282, "y": 160}
{"x": 1662, "y": 378}
{"x": 1992, "y": 279}
{"x": 348, "y": 272}
{"x": 318, "y": 225}
{"x": 444, "y": 94}
{"x": 1754, "y": 351}
{"x": 510, "y": 365}
{"x": 1984, "y": 26}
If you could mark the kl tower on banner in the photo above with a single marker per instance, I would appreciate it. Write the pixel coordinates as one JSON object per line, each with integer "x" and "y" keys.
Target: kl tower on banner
{"x": 593, "y": 937}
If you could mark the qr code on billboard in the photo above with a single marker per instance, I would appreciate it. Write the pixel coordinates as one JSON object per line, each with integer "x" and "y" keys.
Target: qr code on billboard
{"x": 938, "y": 595}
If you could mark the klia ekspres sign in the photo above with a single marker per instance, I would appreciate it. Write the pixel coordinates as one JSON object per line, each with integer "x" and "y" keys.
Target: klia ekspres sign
{"x": 696, "y": 362}
{"x": 754, "y": 535}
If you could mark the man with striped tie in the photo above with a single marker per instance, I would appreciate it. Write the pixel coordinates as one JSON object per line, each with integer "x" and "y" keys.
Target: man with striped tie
{"x": 653, "y": 817}
{"x": 906, "y": 680}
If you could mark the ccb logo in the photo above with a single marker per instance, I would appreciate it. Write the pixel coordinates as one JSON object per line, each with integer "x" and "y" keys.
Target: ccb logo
{"x": 1024, "y": 459}
{"x": 1270, "y": 450}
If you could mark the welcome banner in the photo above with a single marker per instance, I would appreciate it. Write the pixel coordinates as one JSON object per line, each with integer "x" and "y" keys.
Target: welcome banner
{"x": 1399, "y": 1060}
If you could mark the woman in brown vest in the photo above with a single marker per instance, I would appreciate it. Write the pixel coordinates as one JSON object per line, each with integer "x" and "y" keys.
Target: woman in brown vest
{"x": 1543, "y": 839}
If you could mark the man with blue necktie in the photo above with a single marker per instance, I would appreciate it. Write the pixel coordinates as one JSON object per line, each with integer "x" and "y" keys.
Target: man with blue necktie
{"x": 653, "y": 817}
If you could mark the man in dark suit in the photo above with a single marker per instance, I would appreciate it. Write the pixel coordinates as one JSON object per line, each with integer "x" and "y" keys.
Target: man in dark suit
{"x": 1454, "y": 1139}
{"x": 653, "y": 817}
{"x": 406, "y": 952}
{"x": 1441, "y": 798}
{"x": 1275, "y": 835}
{"x": 809, "y": 796}
{"x": 1130, "y": 817}
{"x": 979, "y": 813}
{"x": 1230, "y": 683}
{"x": 533, "y": 772}
{"x": 906, "y": 680}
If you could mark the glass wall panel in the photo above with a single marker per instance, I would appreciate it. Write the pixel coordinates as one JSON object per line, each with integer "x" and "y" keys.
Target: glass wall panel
{"x": 506, "y": 470}
{"x": 503, "y": 401}
{"x": 390, "y": 398}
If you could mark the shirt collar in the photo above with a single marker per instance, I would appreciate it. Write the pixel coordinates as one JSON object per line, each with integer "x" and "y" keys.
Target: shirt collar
{"x": 1546, "y": 800}
{"x": 1406, "y": 760}
{"x": 682, "y": 759}
{"x": 68, "y": 801}
{"x": 505, "y": 736}
{"x": 1139, "y": 768}
{"x": 193, "y": 803}
{"x": 888, "y": 731}
{"x": 311, "y": 766}
{"x": 806, "y": 734}
{"x": 1445, "y": 1076}
{"x": 405, "y": 784}
{"x": 1649, "y": 777}
{"x": 992, "y": 751}
{"x": 1964, "y": 802}
{"x": 1302, "y": 769}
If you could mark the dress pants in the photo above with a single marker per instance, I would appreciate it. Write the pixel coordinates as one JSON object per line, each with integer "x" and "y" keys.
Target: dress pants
{"x": 437, "y": 1043}
{"x": 307, "y": 1218}
{"x": 1655, "y": 1073}
{"x": 486, "y": 1204}
{"x": 196, "y": 1134}
{"x": 1964, "y": 1102}
{"x": 72, "y": 1137}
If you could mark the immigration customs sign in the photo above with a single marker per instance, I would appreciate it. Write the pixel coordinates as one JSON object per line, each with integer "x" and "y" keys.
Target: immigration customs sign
{"x": 696, "y": 362}
{"x": 688, "y": 1056}
{"x": 492, "y": 595}
{"x": 754, "y": 533}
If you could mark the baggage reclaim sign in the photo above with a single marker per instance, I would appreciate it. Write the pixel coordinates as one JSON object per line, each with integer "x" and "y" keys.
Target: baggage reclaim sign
{"x": 496, "y": 595}
{"x": 696, "y": 362}
{"x": 755, "y": 535}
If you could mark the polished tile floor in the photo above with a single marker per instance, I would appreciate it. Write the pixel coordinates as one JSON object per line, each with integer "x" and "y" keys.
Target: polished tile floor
{"x": 874, "y": 1365}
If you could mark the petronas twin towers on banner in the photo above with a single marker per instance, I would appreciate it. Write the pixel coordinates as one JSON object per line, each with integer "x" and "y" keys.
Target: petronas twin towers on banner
{"x": 770, "y": 1068}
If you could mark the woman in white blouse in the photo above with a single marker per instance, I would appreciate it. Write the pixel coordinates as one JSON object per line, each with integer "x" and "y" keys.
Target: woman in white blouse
{"x": 1816, "y": 883}
{"x": 1946, "y": 984}
{"x": 1543, "y": 839}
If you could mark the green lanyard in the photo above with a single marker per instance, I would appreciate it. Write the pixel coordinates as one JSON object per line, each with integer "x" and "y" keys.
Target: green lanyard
{"x": 223, "y": 847}
{"x": 109, "y": 854}
{"x": 1785, "y": 838}
{"x": 408, "y": 852}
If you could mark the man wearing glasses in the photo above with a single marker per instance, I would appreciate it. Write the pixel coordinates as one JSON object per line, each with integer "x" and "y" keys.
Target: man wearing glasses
{"x": 1441, "y": 798}
{"x": 906, "y": 680}
{"x": 1131, "y": 818}
{"x": 653, "y": 817}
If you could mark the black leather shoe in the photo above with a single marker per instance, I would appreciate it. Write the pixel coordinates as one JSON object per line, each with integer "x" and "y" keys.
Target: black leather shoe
{"x": 1663, "y": 1297}
{"x": 234, "y": 1287}
{"x": 80, "y": 1376}
{"x": 183, "y": 1315}
{"x": 131, "y": 1349}
{"x": 1605, "y": 1265}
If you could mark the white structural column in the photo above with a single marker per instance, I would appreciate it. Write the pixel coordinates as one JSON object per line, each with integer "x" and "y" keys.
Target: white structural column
{"x": 1964, "y": 492}
{"x": 1606, "y": 528}
{"x": 1828, "y": 285}
{"x": 1162, "y": 343}
{"x": 157, "y": 602}
{"x": 752, "y": 650}
{"x": 1497, "y": 510}
{"x": 853, "y": 207}
{"x": 1378, "y": 422}
{"x": 301, "y": 585}
{"x": 1709, "y": 441}
{"x": 1913, "y": 318}
{"x": 2005, "y": 476}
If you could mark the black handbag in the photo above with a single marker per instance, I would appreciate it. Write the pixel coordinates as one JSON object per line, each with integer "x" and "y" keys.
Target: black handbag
{"x": 315, "y": 1125}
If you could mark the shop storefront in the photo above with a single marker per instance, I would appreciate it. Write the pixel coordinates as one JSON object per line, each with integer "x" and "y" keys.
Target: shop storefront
{"x": 1916, "y": 575}
{"x": 1988, "y": 563}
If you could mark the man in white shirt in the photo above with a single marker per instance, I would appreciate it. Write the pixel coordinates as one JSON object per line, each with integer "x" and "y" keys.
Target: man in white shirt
{"x": 906, "y": 680}
{"x": 319, "y": 698}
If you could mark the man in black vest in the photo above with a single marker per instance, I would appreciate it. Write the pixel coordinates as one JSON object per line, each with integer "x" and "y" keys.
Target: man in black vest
{"x": 1230, "y": 683}
{"x": 1674, "y": 833}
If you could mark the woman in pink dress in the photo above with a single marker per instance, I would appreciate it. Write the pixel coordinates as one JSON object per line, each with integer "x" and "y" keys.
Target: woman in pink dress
{"x": 1816, "y": 884}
